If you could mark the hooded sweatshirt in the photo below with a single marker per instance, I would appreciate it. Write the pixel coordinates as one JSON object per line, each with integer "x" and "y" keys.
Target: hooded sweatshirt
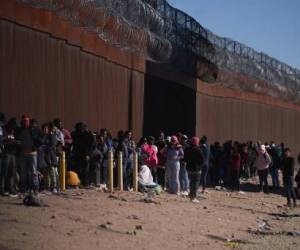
{"x": 263, "y": 160}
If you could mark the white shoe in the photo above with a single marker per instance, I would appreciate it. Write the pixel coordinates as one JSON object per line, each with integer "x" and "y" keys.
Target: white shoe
{"x": 195, "y": 200}
{"x": 241, "y": 192}
{"x": 54, "y": 191}
{"x": 185, "y": 193}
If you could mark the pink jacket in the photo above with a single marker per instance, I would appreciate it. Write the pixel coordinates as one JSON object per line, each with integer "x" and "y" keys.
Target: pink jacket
{"x": 151, "y": 151}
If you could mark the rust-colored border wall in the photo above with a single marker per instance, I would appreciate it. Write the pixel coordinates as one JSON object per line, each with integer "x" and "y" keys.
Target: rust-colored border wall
{"x": 56, "y": 26}
{"x": 218, "y": 90}
{"x": 224, "y": 114}
{"x": 47, "y": 78}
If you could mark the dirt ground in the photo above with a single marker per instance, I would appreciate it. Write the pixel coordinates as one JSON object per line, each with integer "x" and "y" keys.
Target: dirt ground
{"x": 92, "y": 219}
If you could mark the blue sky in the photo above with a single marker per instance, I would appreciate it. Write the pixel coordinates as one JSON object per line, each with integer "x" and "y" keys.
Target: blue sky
{"x": 270, "y": 26}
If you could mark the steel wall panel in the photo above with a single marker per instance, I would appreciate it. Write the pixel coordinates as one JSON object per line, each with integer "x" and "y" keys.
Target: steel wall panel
{"x": 242, "y": 120}
{"x": 48, "y": 78}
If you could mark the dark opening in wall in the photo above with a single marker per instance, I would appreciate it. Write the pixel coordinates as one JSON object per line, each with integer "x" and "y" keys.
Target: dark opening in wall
{"x": 168, "y": 106}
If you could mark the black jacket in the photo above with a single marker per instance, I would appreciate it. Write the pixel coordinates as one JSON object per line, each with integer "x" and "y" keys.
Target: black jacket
{"x": 288, "y": 165}
{"x": 83, "y": 143}
{"x": 30, "y": 139}
{"x": 194, "y": 158}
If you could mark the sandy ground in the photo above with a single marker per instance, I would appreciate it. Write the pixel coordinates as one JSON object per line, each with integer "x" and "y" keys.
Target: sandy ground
{"x": 91, "y": 219}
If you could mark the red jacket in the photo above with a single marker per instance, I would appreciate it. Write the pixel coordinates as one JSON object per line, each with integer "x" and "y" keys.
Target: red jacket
{"x": 235, "y": 161}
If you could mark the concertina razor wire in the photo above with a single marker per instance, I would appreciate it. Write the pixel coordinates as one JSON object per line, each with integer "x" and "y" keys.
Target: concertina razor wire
{"x": 156, "y": 30}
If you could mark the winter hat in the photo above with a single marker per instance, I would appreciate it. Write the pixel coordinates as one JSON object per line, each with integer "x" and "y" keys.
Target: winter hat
{"x": 195, "y": 141}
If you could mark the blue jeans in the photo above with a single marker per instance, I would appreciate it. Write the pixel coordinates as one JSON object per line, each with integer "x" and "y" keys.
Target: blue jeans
{"x": 289, "y": 188}
{"x": 275, "y": 177}
{"x": 127, "y": 170}
{"x": 96, "y": 173}
{"x": 204, "y": 174}
{"x": 29, "y": 174}
{"x": 183, "y": 177}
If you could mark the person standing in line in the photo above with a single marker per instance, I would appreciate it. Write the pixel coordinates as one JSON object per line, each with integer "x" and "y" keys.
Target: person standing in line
{"x": 131, "y": 146}
{"x": 64, "y": 138}
{"x": 288, "y": 166}
{"x": 244, "y": 169}
{"x": 194, "y": 160}
{"x": 96, "y": 161}
{"x": 49, "y": 152}
{"x": 2, "y": 122}
{"x": 205, "y": 148}
{"x": 262, "y": 164}
{"x": 161, "y": 167}
{"x": 29, "y": 136}
{"x": 83, "y": 142}
{"x": 183, "y": 175}
{"x": 252, "y": 154}
{"x": 235, "y": 166}
{"x": 106, "y": 145}
{"x": 8, "y": 174}
{"x": 174, "y": 154}
{"x": 297, "y": 178}
{"x": 275, "y": 165}
{"x": 151, "y": 160}
{"x": 122, "y": 146}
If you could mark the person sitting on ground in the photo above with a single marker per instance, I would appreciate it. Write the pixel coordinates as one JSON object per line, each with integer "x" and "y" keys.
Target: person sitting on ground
{"x": 145, "y": 180}
{"x": 288, "y": 165}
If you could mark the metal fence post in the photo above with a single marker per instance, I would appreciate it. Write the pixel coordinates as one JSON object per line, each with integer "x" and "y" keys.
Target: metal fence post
{"x": 62, "y": 171}
{"x": 110, "y": 171}
{"x": 120, "y": 171}
{"x": 135, "y": 172}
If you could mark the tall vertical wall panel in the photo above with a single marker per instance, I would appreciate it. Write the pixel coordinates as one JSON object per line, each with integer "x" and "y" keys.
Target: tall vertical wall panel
{"x": 46, "y": 77}
{"x": 224, "y": 118}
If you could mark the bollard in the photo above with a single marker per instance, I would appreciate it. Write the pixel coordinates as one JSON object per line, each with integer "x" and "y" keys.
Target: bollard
{"x": 110, "y": 171}
{"x": 62, "y": 171}
{"x": 120, "y": 171}
{"x": 135, "y": 172}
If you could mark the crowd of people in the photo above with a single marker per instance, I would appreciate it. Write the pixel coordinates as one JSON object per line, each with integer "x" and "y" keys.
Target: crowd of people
{"x": 30, "y": 155}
